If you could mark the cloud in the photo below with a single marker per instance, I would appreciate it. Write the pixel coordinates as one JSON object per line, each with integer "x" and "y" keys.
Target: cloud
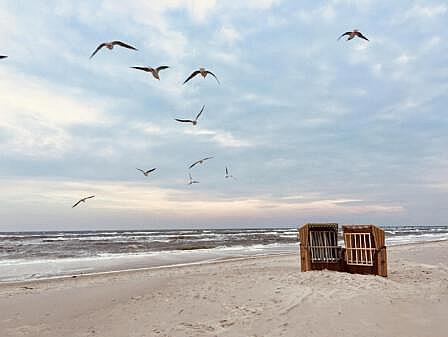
{"x": 42, "y": 197}
{"x": 326, "y": 12}
{"x": 403, "y": 59}
{"x": 229, "y": 35}
{"x": 260, "y": 4}
{"x": 222, "y": 138}
{"x": 377, "y": 69}
{"x": 48, "y": 102}
{"x": 226, "y": 58}
{"x": 426, "y": 11}
{"x": 200, "y": 9}
{"x": 36, "y": 114}
{"x": 150, "y": 128}
{"x": 263, "y": 100}
{"x": 421, "y": 11}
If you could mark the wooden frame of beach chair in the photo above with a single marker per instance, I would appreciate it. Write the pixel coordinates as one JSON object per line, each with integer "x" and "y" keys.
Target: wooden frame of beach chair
{"x": 365, "y": 250}
{"x": 319, "y": 247}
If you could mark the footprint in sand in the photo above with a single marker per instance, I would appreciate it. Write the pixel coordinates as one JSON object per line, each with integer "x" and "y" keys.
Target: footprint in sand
{"x": 226, "y": 323}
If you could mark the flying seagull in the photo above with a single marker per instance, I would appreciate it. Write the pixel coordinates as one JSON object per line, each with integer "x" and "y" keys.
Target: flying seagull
{"x": 82, "y": 200}
{"x": 201, "y": 161}
{"x": 3, "y": 56}
{"x": 153, "y": 71}
{"x": 203, "y": 73}
{"x": 352, "y": 34}
{"x": 195, "y": 121}
{"x": 110, "y": 45}
{"x": 191, "y": 181}
{"x": 147, "y": 172}
{"x": 228, "y": 175}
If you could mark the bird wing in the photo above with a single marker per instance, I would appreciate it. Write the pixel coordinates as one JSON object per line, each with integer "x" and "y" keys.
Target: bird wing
{"x": 227, "y": 171}
{"x": 195, "y": 163}
{"x": 359, "y": 34}
{"x": 151, "y": 170}
{"x": 346, "y": 33}
{"x": 147, "y": 69}
{"x": 209, "y": 72}
{"x": 122, "y": 44}
{"x": 141, "y": 170}
{"x": 200, "y": 112}
{"x": 3, "y": 56}
{"x": 97, "y": 49}
{"x": 161, "y": 68}
{"x": 92, "y": 196}
{"x": 207, "y": 158}
{"x": 193, "y": 74}
{"x": 183, "y": 120}
{"x": 77, "y": 203}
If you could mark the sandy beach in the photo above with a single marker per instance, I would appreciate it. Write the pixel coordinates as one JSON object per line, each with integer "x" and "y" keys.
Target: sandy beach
{"x": 264, "y": 296}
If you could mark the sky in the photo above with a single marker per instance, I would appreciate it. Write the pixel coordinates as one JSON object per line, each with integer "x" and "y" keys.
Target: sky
{"x": 314, "y": 129}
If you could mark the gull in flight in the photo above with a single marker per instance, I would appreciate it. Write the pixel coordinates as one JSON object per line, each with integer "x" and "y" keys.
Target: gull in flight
{"x": 352, "y": 34}
{"x": 153, "y": 71}
{"x": 110, "y": 45}
{"x": 201, "y": 161}
{"x": 203, "y": 73}
{"x": 191, "y": 181}
{"x": 147, "y": 172}
{"x": 82, "y": 200}
{"x": 228, "y": 175}
{"x": 195, "y": 121}
{"x": 3, "y": 56}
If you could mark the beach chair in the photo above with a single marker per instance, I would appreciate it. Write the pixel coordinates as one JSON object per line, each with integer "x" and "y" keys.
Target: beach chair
{"x": 365, "y": 250}
{"x": 319, "y": 247}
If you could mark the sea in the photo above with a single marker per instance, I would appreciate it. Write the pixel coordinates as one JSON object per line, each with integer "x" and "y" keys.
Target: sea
{"x": 54, "y": 254}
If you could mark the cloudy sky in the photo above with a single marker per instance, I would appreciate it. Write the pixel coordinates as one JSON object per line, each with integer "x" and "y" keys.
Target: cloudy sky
{"x": 314, "y": 129}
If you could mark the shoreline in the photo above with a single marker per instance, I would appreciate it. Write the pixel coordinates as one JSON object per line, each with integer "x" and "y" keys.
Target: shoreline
{"x": 222, "y": 260}
{"x": 136, "y": 267}
{"x": 142, "y": 269}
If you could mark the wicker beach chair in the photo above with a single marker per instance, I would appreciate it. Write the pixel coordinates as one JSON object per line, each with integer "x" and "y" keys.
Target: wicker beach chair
{"x": 319, "y": 247}
{"x": 364, "y": 251}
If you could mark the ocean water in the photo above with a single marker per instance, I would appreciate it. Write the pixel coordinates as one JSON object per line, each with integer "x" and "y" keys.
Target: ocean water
{"x": 34, "y": 255}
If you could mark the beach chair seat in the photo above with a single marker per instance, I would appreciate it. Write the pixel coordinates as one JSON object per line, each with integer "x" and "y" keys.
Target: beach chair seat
{"x": 319, "y": 247}
{"x": 365, "y": 250}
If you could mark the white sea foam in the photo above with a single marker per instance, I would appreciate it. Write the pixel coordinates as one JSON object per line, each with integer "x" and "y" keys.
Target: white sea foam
{"x": 23, "y": 269}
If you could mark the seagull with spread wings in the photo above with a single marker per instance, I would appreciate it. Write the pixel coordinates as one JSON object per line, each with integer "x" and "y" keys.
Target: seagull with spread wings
{"x": 195, "y": 121}
{"x": 148, "y": 171}
{"x": 204, "y": 72}
{"x": 3, "y": 56}
{"x": 110, "y": 45}
{"x": 352, "y": 34}
{"x": 201, "y": 161}
{"x": 82, "y": 200}
{"x": 191, "y": 181}
{"x": 153, "y": 71}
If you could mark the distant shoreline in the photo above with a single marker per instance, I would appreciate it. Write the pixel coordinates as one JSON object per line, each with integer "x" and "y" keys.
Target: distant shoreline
{"x": 180, "y": 265}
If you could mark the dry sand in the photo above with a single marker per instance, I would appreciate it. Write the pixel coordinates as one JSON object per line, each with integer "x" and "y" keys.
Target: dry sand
{"x": 255, "y": 297}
